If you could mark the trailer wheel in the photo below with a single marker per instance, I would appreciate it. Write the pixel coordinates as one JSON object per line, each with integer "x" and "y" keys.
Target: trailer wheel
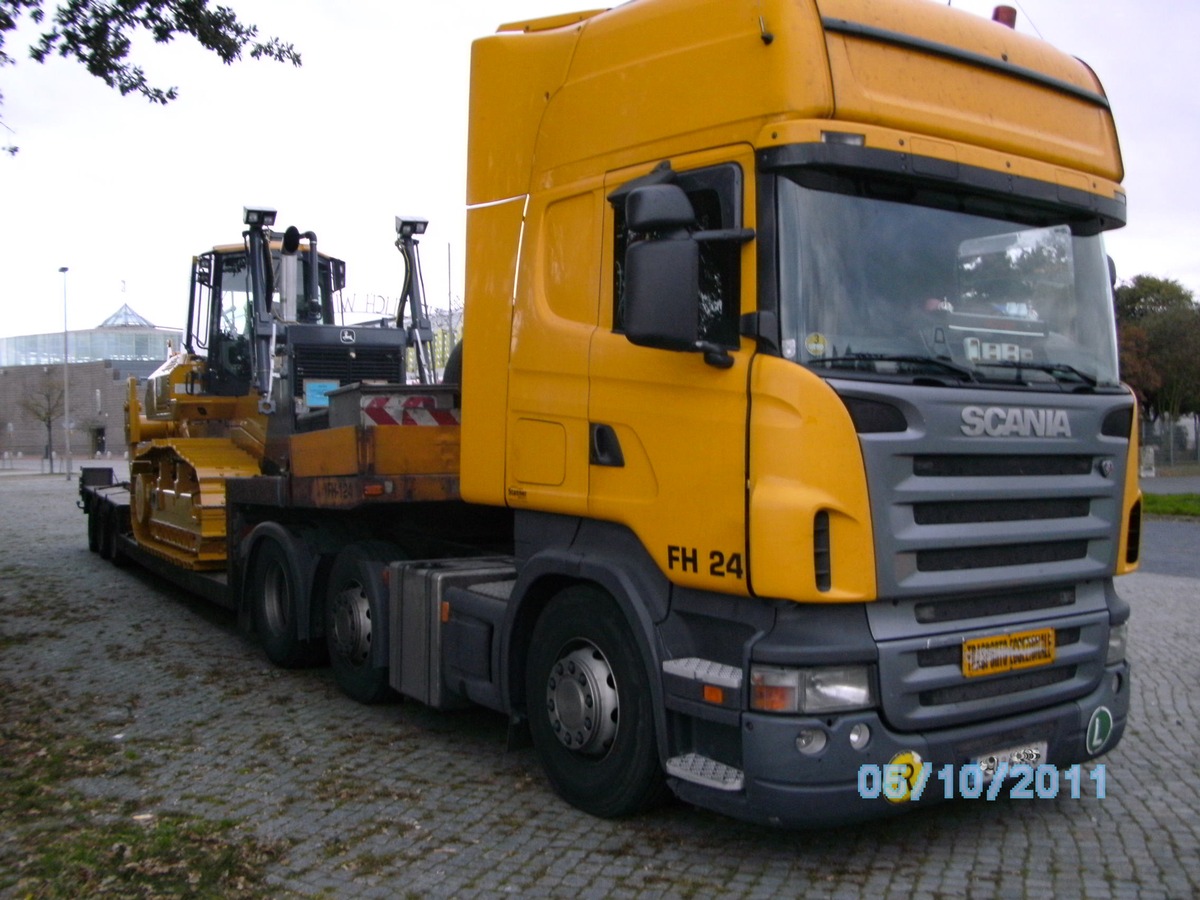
{"x": 93, "y": 526}
{"x": 274, "y": 599}
{"x": 113, "y": 537}
{"x": 354, "y": 617}
{"x": 100, "y": 511}
{"x": 108, "y": 532}
{"x": 590, "y": 709}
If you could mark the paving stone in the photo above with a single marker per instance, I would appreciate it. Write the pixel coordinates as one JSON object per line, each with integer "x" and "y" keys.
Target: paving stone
{"x": 398, "y": 800}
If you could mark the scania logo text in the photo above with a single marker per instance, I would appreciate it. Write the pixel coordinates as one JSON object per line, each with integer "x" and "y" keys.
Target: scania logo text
{"x": 347, "y": 336}
{"x": 1015, "y": 421}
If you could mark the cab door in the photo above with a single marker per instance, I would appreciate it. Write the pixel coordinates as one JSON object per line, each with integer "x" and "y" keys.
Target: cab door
{"x": 668, "y": 427}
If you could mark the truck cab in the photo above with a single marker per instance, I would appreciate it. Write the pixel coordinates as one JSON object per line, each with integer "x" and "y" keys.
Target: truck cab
{"x": 805, "y": 308}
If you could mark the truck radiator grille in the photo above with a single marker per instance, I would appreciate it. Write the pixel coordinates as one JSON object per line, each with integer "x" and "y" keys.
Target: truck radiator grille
{"x": 999, "y": 466}
{"x": 983, "y": 535}
{"x": 976, "y": 522}
{"x": 956, "y": 609}
{"x": 963, "y": 513}
{"x": 1007, "y": 555}
{"x": 1001, "y": 687}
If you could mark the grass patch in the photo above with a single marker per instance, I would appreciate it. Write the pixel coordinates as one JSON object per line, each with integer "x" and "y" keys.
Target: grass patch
{"x": 1171, "y": 504}
{"x": 61, "y": 843}
{"x": 143, "y": 856}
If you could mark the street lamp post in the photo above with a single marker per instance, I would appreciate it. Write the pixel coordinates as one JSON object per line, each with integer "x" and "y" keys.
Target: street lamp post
{"x": 66, "y": 381}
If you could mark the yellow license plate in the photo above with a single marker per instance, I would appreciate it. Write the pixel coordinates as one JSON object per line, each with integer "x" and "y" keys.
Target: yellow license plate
{"x": 1006, "y": 652}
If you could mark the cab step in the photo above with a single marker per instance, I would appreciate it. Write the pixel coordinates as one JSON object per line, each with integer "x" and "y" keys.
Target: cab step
{"x": 707, "y": 772}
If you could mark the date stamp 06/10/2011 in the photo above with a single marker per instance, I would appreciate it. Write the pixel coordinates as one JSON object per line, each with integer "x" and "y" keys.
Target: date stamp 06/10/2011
{"x": 907, "y": 778}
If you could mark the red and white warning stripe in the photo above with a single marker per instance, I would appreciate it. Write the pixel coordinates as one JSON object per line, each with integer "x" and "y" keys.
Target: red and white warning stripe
{"x": 408, "y": 410}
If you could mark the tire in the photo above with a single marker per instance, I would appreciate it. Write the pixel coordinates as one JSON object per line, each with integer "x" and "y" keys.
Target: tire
{"x": 93, "y": 526}
{"x": 274, "y": 599}
{"x": 452, "y": 373}
{"x": 355, "y": 606}
{"x": 110, "y": 536}
{"x": 591, "y": 715}
{"x": 100, "y": 514}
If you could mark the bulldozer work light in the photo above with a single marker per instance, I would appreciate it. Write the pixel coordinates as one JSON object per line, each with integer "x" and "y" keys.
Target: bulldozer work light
{"x": 409, "y": 227}
{"x": 264, "y": 217}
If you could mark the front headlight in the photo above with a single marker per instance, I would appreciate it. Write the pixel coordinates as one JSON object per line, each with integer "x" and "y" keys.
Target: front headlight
{"x": 1118, "y": 637}
{"x": 819, "y": 690}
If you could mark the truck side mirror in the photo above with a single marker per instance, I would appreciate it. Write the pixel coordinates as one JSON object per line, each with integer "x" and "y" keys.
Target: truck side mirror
{"x": 661, "y": 303}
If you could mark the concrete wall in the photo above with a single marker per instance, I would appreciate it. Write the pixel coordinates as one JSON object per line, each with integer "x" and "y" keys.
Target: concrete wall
{"x": 97, "y": 408}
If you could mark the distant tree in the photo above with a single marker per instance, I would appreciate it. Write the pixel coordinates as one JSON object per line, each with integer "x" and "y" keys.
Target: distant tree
{"x": 1174, "y": 338}
{"x": 1146, "y": 295}
{"x": 99, "y": 35}
{"x": 1158, "y": 322}
{"x": 1137, "y": 366}
{"x": 45, "y": 404}
{"x": 1157, "y": 319}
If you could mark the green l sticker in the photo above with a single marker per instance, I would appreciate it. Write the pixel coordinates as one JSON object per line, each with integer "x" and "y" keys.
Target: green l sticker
{"x": 1099, "y": 729}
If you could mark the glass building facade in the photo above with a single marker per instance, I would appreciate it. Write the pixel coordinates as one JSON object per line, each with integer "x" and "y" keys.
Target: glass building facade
{"x": 124, "y": 336}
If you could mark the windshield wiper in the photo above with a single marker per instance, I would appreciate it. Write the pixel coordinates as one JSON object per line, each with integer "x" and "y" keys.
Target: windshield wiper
{"x": 852, "y": 359}
{"x": 1061, "y": 371}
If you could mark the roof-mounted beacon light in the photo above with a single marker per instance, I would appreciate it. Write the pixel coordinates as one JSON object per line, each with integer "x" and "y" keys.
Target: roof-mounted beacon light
{"x": 1005, "y": 15}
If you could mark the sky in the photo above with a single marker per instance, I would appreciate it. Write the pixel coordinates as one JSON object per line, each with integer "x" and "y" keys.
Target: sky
{"x": 374, "y": 124}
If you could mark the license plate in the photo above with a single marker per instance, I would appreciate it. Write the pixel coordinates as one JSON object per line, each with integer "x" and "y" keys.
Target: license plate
{"x": 1006, "y": 652}
{"x": 1022, "y": 755}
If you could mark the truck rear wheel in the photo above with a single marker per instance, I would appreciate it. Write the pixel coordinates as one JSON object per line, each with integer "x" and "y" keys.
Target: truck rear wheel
{"x": 274, "y": 604}
{"x": 354, "y": 617}
{"x": 590, "y": 709}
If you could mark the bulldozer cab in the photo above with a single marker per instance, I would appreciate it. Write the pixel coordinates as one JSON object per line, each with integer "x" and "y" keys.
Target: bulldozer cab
{"x": 242, "y": 293}
{"x": 222, "y": 329}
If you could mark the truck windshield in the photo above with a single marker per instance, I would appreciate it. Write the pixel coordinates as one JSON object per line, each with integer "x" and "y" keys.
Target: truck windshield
{"x": 881, "y": 282}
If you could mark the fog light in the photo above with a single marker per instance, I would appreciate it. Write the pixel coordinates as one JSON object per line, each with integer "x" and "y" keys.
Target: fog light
{"x": 811, "y": 741}
{"x": 860, "y": 736}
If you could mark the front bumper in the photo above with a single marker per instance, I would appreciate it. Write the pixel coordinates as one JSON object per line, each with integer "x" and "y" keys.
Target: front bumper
{"x": 784, "y": 787}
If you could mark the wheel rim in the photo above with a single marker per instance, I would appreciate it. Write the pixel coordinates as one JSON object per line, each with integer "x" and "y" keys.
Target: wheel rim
{"x": 277, "y": 600}
{"x": 352, "y": 624}
{"x": 582, "y": 700}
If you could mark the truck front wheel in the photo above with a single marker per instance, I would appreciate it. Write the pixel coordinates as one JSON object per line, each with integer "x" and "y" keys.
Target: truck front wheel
{"x": 590, "y": 709}
{"x": 354, "y": 618}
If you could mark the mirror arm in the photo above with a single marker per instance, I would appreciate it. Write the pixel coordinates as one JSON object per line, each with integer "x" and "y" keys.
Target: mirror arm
{"x": 715, "y": 355}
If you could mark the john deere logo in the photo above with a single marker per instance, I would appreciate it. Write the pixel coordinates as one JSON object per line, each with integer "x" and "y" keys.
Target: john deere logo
{"x": 347, "y": 336}
{"x": 1099, "y": 729}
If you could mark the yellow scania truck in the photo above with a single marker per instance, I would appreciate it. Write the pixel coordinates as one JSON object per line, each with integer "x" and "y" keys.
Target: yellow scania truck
{"x": 789, "y": 441}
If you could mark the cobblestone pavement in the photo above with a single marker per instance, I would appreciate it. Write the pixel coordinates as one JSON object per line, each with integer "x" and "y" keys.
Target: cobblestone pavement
{"x": 398, "y": 800}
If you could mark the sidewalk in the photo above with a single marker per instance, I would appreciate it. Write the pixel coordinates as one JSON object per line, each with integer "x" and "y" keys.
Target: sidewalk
{"x": 1171, "y": 484}
{"x": 35, "y": 465}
